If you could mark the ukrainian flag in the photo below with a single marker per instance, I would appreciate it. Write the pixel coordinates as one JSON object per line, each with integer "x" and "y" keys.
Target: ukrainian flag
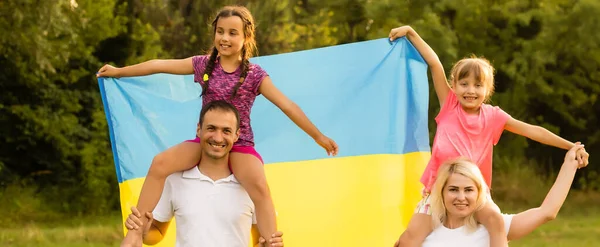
{"x": 370, "y": 97}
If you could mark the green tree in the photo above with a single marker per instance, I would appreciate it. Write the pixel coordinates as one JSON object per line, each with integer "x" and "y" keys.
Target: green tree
{"x": 54, "y": 133}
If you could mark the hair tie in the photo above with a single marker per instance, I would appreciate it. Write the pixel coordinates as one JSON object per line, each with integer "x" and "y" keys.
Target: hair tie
{"x": 205, "y": 77}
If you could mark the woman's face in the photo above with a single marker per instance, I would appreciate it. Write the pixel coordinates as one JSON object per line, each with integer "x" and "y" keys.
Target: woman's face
{"x": 460, "y": 196}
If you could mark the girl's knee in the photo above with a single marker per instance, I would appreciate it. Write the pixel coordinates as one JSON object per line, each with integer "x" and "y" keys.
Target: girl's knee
{"x": 159, "y": 166}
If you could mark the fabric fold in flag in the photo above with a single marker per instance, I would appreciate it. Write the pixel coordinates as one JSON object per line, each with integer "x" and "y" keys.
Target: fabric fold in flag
{"x": 370, "y": 97}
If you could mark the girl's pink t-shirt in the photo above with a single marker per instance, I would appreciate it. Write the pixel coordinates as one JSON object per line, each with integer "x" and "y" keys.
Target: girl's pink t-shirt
{"x": 460, "y": 134}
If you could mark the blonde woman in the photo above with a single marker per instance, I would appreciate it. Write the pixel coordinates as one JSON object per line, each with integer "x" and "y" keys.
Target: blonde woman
{"x": 470, "y": 127}
{"x": 460, "y": 191}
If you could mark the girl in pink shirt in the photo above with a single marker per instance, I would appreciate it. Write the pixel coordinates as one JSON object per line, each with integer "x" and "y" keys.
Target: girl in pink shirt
{"x": 225, "y": 74}
{"x": 467, "y": 127}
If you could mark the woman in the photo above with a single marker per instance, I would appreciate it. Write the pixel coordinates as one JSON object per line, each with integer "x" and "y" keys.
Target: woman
{"x": 460, "y": 191}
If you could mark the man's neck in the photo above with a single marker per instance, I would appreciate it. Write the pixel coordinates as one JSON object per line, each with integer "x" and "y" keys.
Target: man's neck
{"x": 215, "y": 169}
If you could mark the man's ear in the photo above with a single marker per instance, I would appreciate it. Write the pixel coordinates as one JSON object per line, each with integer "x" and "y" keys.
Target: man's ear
{"x": 237, "y": 135}
{"x": 198, "y": 129}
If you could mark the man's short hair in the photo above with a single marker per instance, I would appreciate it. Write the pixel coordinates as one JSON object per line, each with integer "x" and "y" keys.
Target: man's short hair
{"x": 220, "y": 105}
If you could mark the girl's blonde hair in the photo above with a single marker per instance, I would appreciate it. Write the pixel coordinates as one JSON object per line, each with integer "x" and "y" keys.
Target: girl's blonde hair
{"x": 463, "y": 167}
{"x": 481, "y": 68}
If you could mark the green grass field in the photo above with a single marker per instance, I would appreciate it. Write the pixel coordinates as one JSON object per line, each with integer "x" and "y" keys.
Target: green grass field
{"x": 566, "y": 231}
{"x": 569, "y": 229}
{"x": 89, "y": 232}
{"x": 26, "y": 223}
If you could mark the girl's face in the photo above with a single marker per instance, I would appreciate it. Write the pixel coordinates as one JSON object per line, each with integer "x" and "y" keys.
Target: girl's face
{"x": 470, "y": 93}
{"x": 229, "y": 36}
{"x": 460, "y": 196}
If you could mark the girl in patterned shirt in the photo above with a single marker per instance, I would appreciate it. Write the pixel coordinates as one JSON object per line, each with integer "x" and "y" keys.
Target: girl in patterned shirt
{"x": 225, "y": 74}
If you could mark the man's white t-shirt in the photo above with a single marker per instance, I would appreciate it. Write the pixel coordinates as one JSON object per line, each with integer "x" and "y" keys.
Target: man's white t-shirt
{"x": 459, "y": 237}
{"x": 207, "y": 212}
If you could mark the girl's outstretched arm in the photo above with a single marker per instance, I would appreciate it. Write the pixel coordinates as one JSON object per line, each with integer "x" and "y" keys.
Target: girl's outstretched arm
{"x": 170, "y": 66}
{"x": 296, "y": 114}
{"x": 544, "y": 136}
{"x": 437, "y": 70}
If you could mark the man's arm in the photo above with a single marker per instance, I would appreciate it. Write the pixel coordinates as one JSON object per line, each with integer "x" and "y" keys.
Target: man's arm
{"x": 255, "y": 235}
{"x": 156, "y": 233}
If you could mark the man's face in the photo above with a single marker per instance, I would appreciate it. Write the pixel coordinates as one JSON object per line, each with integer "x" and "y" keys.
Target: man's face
{"x": 217, "y": 133}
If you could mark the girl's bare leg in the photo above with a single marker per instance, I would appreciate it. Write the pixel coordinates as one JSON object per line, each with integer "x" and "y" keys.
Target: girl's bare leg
{"x": 250, "y": 171}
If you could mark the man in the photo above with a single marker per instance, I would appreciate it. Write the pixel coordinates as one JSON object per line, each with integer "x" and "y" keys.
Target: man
{"x": 210, "y": 207}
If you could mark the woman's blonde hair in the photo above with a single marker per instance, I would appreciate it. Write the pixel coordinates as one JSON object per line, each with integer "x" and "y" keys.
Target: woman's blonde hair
{"x": 482, "y": 70}
{"x": 463, "y": 167}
